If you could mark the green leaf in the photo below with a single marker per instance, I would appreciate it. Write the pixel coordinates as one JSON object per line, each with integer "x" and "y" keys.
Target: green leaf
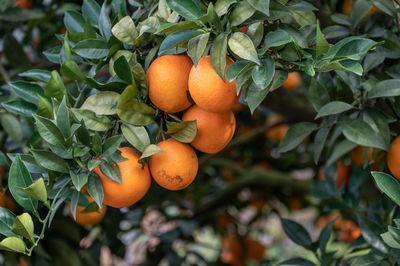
{"x": 91, "y": 120}
{"x": 184, "y": 131}
{"x": 177, "y": 38}
{"x": 361, "y": 133}
{"x": 388, "y": 185}
{"x": 49, "y": 131}
{"x": 95, "y": 189}
{"x": 45, "y": 109}
{"x": 74, "y": 21}
{"x": 13, "y": 51}
{"x": 296, "y": 232}
{"x": 92, "y": 48}
{"x": 339, "y": 150}
{"x": 276, "y": 38}
{"x": 242, "y": 46}
{"x": 19, "y": 177}
{"x": 263, "y": 75}
{"x": 296, "y": 262}
{"x": 125, "y": 30}
{"x": 385, "y": 88}
{"x": 319, "y": 142}
{"x": 136, "y": 113}
{"x": 123, "y": 69}
{"x": 240, "y": 13}
{"x": 23, "y": 226}
{"x": 112, "y": 172}
{"x": 37, "y": 75}
{"x": 102, "y": 103}
{"x": 37, "y": 190}
{"x": 150, "y": 150}
{"x": 237, "y": 68}
{"x": 104, "y": 22}
{"x": 334, "y": 107}
{"x": 390, "y": 241}
{"x": 50, "y": 161}
{"x": 218, "y": 55}
{"x": 295, "y": 135}
{"x": 255, "y": 96}
{"x": 12, "y": 126}
{"x": 358, "y": 12}
{"x": 189, "y": 9}
{"x": 173, "y": 27}
{"x": 256, "y": 33}
{"x": 13, "y": 244}
{"x": 71, "y": 70}
{"x": 27, "y": 91}
{"x": 325, "y": 235}
{"x": 79, "y": 180}
{"x": 136, "y": 136}
{"x": 353, "y": 48}
{"x": 222, "y": 6}
{"x": 63, "y": 121}
{"x": 197, "y": 46}
{"x": 345, "y": 65}
{"x": 91, "y": 10}
{"x": 74, "y": 203}
{"x": 7, "y": 219}
{"x": 304, "y": 18}
{"x": 260, "y": 5}
{"x": 55, "y": 87}
{"x": 322, "y": 45}
{"x": 111, "y": 145}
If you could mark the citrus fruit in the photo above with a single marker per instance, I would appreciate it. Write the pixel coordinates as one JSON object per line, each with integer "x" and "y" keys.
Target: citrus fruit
{"x": 277, "y": 133}
{"x": 292, "y": 82}
{"x": 347, "y": 8}
{"x": 6, "y": 202}
{"x": 88, "y": 218}
{"x": 176, "y": 167}
{"x": 357, "y": 155}
{"x": 236, "y": 253}
{"x": 208, "y": 90}
{"x": 25, "y": 4}
{"x": 136, "y": 181}
{"x": 168, "y": 82}
{"x": 214, "y": 130}
{"x": 342, "y": 175}
{"x": 393, "y": 158}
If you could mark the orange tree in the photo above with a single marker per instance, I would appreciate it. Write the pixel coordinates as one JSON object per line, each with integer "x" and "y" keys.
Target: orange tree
{"x": 106, "y": 127}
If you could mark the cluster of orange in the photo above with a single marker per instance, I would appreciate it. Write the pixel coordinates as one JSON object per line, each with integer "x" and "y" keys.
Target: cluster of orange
{"x": 347, "y": 230}
{"x": 236, "y": 250}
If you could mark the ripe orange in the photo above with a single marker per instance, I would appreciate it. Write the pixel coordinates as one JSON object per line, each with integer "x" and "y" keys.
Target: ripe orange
{"x": 349, "y": 231}
{"x": 214, "y": 130}
{"x": 89, "y": 218}
{"x": 176, "y": 167}
{"x": 347, "y": 7}
{"x": 6, "y": 202}
{"x": 25, "y": 4}
{"x": 236, "y": 253}
{"x": 393, "y": 158}
{"x": 357, "y": 155}
{"x": 22, "y": 261}
{"x": 292, "y": 82}
{"x": 136, "y": 181}
{"x": 277, "y": 133}
{"x": 168, "y": 82}
{"x": 208, "y": 90}
{"x": 342, "y": 175}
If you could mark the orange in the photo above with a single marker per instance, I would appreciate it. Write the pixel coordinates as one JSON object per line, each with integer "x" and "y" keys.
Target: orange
{"x": 168, "y": 82}
{"x": 176, "y": 167}
{"x": 236, "y": 253}
{"x": 88, "y": 218}
{"x": 277, "y": 133}
{"x": 357, "y": 155}
{"x": 349, "y": 231}
{"x": 347, "y": 7}
{"x": 136, "y": 181}
{"x": 6, "y": 202}
{"x": 224, "y": 220}
{"x": 292, "y": 82}
{"x": 244, "y": 29}
{"x": 25, "y": 4}
{"x": 22, "y": 261}
{"x": 342, "y": 175}
{"x": 393, "y": 158}
{"x": 208, "y": 90}
{"x": 214, "y": 130}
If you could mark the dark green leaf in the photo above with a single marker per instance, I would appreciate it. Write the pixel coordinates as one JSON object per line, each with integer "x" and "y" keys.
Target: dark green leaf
{"x": 27, "y": 91}
{"x": 74, "y": 21}
{"x": 12, "y": 126}
{"x": 295, "y": 135}
{"x": 91, "y": 10}
{"x": 49, "y": 131}
{"x": 104, "y": 22}
{"x": 37, "y": 74}
{"x": 334, "y": 107}
{"x": 197, "y": 46}
{"x": 388, "y": 185}
{"x": 189, "y": 9}
{"x": 177, "y": 38}
{"x": 241, "y": 45}
{"x": 63, "y": 121}
{"x": 92, "y": 48}
{"x": 50, "y": 161}
{"x": 296, "y": 232}
{"x": 91, "y": 120}
{"x": 136, "y": 136}
{"x": 21, "y": 108}
{"x": 7, "y": 219}
{"x": 123, "y": 69}
{"x": 361, "y": 133}
{"x": 218, "y": 55}
{"x": 111, "y": 145}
